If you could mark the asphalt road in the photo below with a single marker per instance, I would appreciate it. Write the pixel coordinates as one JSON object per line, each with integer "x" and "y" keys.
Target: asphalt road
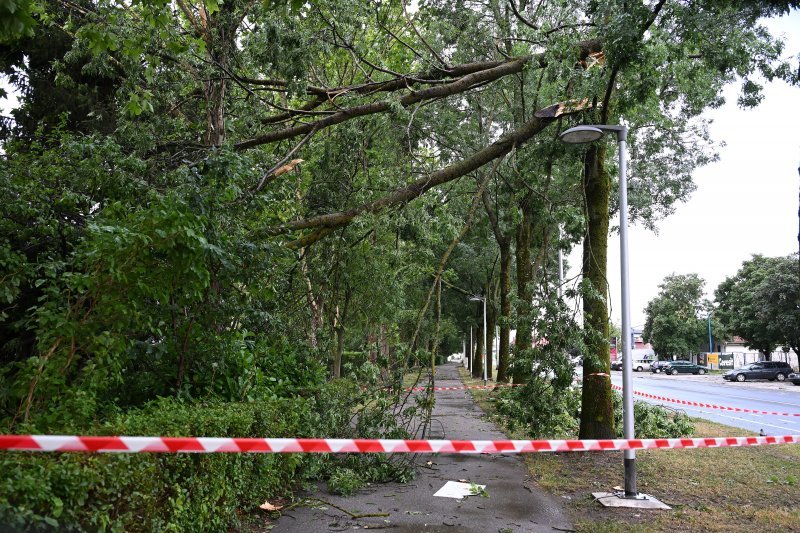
{"x": 712, "y": 389}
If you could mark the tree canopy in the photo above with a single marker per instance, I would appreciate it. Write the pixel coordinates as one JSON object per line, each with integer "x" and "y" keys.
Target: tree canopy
{"x": 676, "y": 318}
{"x": 761, "y": 303}
{"x": 193, "y": 188}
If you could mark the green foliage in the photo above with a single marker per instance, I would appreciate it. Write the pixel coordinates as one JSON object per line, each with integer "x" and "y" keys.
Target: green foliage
{"x": 653, "y": 421}
{"x": 674, "y": 324}
{"x": 344, "y": 482}
{"x": 539, "y": 410}
{"x": 189, "y": 492}
{"x": 154, "y": 491}
{"x": 16, "y": 19}
{"x": 761, "y": 303}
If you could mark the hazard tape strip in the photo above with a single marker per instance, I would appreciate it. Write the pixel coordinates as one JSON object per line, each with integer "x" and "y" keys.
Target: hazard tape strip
{"x": 706, "y": 405}
{"x": 617, "y": 387}
{"x": 64, "y": 443}
{"x": 464, "y": 387}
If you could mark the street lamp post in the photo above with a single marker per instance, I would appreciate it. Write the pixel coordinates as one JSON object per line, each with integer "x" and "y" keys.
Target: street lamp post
{"x": 485, "y": 334}
{"x": 710, "y": 349}
{"x": 587, "y": 134}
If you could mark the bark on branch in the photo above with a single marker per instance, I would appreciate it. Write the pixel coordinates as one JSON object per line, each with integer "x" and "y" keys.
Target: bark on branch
{"x": 324, "y": 224}
{"x": 470, "y": 75}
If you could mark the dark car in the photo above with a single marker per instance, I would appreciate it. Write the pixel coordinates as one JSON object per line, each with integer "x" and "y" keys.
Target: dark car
{"x": 770, "y": 370}
{"x": 794, "y": 378}
{"x": 616, "y": 365}
{"x": 683, "y": 367}
{"x": 656, "y": 367}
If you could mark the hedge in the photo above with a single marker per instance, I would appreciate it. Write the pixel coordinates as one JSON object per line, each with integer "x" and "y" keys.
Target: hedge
{"x": 168, "y": 492}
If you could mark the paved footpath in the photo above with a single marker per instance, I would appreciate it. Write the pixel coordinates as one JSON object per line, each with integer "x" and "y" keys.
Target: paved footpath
{"x": 515, "y": 503}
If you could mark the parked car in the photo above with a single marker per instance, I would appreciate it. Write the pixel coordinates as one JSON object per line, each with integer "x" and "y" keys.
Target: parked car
{"x": 770, "y": 370}
{"x": 794, "y": 378}
{"x": 656, "y": 367}
{"x": 640, "y": 364}
{"x": 683, "y": 367}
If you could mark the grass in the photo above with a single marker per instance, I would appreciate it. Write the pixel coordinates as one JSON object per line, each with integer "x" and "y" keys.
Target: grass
{"x": 723, "y": 489}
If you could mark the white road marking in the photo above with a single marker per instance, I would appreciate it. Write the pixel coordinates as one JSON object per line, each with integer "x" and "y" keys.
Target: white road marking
{"x": 749, "y": 399}
{"x": 748, "y": 420}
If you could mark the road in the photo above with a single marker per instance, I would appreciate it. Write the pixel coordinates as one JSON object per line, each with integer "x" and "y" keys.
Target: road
{"x": 712, "y": 389}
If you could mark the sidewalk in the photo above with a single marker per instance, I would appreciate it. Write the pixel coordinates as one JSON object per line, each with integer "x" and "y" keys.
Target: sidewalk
{"x": 514, "y": 502}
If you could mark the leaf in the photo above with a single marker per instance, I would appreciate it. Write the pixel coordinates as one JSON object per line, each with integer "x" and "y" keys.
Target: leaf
{"x": 212, "y": 6}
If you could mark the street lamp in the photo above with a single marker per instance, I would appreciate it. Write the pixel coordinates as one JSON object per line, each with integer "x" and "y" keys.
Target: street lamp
{"x": 485, "y": 334}
{"x": 709, "y": 333}
{"x": 587, "y": 134}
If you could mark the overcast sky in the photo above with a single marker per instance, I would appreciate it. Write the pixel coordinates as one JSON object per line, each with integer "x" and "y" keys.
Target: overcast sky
{"x": 746, "y": 203}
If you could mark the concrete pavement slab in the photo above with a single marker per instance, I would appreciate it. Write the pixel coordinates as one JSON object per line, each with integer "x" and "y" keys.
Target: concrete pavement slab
{"x": 513, "y": 502}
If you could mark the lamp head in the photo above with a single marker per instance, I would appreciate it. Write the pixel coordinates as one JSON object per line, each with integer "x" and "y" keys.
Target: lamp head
{"x": 581, "y": 135}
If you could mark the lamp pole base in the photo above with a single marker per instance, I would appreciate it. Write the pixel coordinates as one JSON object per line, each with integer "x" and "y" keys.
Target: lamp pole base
{"x": 630, "y": 478}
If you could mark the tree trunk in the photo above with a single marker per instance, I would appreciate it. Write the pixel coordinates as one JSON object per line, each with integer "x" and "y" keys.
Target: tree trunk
{"x": 491, "y": 322}
{"x": 219, "y": 31}
{"x": 383, "y": 350}
{"x": 597, "y": 415}
{"x": 468, "y": 351}
{"x": 505, "y": 311}
{"x": 437, "y": 312}
{"x": 477, "y": 361}
{"x": 524, "y": 277}
{"x": 337, "y": 354}
{"x": 372, "y": 347}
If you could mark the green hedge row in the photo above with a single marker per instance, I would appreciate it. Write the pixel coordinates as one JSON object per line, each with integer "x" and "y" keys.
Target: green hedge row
{"x": 169, "y": 492}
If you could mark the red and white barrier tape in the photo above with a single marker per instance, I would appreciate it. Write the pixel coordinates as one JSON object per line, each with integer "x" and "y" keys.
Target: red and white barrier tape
{"x": 465, "y": 387}
{"x": 62, "y": 443}
{"x": 706, "y": 405}
{"x": 617, "y": 387}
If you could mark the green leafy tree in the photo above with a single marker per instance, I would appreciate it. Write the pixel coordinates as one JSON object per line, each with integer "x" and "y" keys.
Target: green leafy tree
{"x": 675, "y": 324}
{"x": 761, "y": 303}
{"x": 251, "y": 132}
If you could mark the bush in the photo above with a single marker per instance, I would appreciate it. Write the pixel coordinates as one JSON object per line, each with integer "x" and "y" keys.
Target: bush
{"x": 653, "y": 421}
{"x": 117, "y": 492}
{"x": 540, "y": 410}
{"x": 169, "y": 491}
{"x": 345, "y": 482}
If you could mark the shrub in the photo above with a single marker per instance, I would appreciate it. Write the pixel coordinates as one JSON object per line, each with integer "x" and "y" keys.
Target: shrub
{"x": 345, "y": 481}
{"x": 653, "y": 421}
{"x": 162, "y": 492}
{"x": 540, "y": 409}
{"x": 119, "y": 492}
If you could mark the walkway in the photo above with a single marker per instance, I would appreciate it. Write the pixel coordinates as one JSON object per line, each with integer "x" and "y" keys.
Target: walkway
{"x": 514, "y": 502}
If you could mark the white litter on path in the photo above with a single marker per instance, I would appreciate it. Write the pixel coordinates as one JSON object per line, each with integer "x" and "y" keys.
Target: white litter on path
{"x": 456, "y": 489}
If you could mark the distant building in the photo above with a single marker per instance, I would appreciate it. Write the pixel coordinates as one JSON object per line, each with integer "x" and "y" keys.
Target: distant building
{"x": 743, "y": 355}
{"x": 638, "y": 339}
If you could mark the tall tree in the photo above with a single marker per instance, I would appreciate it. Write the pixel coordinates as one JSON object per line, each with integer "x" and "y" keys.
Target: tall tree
{"x": 676, "y": 317}
{"x": 761, "y": 303}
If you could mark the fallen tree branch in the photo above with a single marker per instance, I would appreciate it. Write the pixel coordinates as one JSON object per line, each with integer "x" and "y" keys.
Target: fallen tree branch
{"x": 475, "y": 74}
{"x": 324, "y": 224}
